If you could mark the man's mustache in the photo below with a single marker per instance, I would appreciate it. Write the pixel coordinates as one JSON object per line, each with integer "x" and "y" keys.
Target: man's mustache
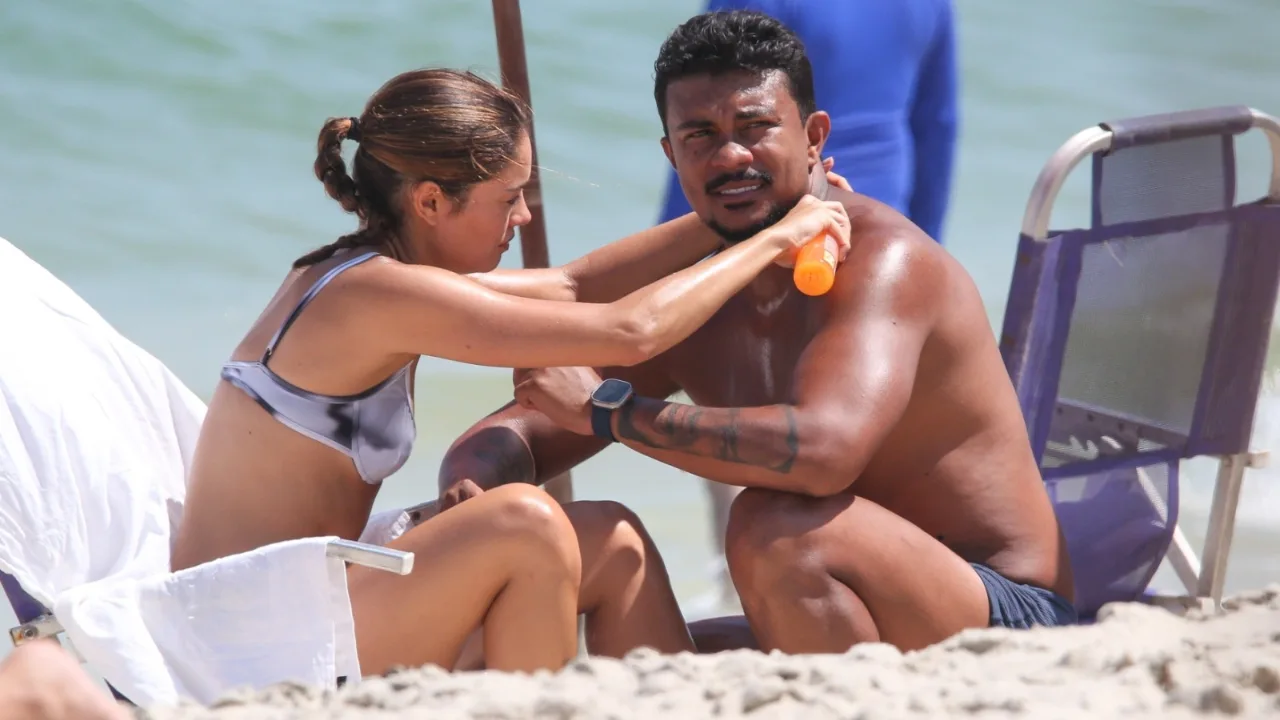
{"x": 741, "y": 176}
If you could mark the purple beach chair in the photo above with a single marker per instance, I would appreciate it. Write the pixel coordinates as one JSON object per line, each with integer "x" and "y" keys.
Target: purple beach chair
{"x": 1140, "y": 341}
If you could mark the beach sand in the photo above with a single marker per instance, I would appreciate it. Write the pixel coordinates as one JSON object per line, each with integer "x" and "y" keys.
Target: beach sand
{"x": 1137, "y": 661}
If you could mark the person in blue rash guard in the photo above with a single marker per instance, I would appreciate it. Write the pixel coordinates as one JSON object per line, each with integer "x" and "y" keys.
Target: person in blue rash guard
{"x": 886, "y": 72}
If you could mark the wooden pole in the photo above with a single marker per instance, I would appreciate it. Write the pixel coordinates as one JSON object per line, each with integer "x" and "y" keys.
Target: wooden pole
{"x": 533, "y": 237}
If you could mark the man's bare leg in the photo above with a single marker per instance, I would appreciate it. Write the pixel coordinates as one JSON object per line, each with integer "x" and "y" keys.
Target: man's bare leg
{"x": 821, "y": 574}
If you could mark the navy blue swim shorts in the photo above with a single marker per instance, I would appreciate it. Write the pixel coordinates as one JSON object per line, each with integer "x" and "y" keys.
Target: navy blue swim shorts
{"x": 1019, "y": 606}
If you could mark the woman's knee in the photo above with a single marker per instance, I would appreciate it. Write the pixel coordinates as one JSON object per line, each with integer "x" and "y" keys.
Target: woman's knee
{"x": 534, "y": 523}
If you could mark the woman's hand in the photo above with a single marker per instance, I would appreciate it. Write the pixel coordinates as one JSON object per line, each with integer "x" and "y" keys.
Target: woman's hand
{"x": 833, "y": 177}
{"x": 810, "y": 218}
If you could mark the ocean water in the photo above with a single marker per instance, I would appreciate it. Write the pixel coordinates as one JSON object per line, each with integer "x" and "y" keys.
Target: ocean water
{"x": 157, "y": 157}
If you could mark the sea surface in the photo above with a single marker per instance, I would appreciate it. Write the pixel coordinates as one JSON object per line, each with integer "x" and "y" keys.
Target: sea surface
{"x": 156, "y": 155}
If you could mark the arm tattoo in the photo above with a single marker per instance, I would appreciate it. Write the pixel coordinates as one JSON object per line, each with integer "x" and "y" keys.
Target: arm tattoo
{"x": 491, "y": 457}
{"x": 768, "y": 439}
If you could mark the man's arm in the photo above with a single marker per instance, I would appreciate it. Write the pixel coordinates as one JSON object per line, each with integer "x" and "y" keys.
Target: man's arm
{"x": 853, "y": 383}
{"x": 516, "y": 444}
{"x": 933, "y": 126}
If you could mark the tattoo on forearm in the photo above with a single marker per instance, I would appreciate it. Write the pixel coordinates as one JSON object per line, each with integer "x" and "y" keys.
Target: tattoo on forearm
{"x": 493, "y": 456}
{"x": 771, "y": 440}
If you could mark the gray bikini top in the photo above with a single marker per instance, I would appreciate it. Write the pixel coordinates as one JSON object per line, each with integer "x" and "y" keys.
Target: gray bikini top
{"x": 375, "y": 428}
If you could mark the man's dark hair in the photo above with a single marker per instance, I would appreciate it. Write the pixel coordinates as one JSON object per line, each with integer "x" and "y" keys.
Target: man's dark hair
{"x": 726, "y": 41}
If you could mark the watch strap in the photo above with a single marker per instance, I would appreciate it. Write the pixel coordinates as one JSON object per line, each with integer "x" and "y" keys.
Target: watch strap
{"x": 601, "y": 423}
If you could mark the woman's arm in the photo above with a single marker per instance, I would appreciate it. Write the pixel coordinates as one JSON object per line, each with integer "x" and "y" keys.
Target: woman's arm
{"x": 429, "y": 311}
{"x": 615, "y": 270}
{"x": 536, "y": 283}
{"x": 623, "y": 266}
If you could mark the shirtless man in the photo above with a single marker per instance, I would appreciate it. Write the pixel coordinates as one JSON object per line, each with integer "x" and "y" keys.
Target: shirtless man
{"x": 891, "y": 492}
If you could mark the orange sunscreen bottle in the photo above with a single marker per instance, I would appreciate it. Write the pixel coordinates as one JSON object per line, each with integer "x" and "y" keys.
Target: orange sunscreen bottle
{"x": 815, "y": 269}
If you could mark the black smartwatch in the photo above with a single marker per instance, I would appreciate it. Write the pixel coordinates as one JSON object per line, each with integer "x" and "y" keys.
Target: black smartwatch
{"x": 607, "y": 397}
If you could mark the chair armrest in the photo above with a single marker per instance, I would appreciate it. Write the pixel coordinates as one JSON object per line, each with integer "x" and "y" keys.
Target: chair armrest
{"x": 42, "y": 627}
{"x": 374, "y": 556}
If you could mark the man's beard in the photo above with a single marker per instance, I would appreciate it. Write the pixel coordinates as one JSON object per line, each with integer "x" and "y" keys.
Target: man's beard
{"x": 733, "y": 237}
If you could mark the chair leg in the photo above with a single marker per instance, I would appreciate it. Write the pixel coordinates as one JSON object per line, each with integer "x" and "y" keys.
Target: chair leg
{"x": 1184, "y": 560}
{"x": 1222, "y": 522}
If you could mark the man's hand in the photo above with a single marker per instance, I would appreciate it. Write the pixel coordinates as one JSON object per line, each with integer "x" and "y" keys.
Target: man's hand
{"x": 460, "y": 491}
{"x": 562, "y": 394}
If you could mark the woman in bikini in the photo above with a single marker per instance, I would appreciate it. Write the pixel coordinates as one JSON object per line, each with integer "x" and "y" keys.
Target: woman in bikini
{"x": 315, "y": 407}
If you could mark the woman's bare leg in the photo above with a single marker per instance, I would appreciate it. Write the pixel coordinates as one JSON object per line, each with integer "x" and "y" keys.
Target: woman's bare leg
{"x": 506, "y": 560}
{"x": 626, "y": 593}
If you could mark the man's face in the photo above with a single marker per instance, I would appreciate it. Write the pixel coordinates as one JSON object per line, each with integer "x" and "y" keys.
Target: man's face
{"x": 741, "y": 152}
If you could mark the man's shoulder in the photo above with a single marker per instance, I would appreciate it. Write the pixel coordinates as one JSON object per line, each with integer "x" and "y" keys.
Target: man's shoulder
{"x": 894, "y": 261}
{"x": 893, "y": 254}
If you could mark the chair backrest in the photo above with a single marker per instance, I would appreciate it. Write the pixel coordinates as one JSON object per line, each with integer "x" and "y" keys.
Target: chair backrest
{"x": 1140, "y": 340}
{"x": 25, "y": 607}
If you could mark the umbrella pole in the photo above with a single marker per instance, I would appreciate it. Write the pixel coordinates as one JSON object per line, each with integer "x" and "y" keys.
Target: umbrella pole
{"x": 533, "y": 236}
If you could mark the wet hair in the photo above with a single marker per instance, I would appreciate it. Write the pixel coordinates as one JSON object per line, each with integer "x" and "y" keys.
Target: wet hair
{"x": 726, "y": 41}
{"x": 450, "y": 127}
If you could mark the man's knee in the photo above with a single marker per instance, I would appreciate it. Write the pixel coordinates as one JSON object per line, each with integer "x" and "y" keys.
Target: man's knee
{"x": 772, "y": 538}
{"x": 760, "y": 519}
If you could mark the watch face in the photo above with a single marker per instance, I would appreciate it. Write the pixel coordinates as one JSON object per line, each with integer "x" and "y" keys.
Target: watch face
{"x": 611, "y": 393}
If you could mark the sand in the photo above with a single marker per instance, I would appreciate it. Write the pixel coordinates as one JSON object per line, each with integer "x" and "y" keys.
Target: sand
{"x": 1137, "y": 661}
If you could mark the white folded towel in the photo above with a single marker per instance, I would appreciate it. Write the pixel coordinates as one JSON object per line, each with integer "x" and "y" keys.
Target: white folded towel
{"x": 385, "y": 526}
{"x": 279, "y": 613}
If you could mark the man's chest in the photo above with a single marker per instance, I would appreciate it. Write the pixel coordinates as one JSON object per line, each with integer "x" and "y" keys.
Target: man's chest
{"x": 744, "y": 356}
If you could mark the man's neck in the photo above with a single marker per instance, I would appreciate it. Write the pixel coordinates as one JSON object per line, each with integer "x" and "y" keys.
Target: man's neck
{"x": 818, "y": 184}
{"x": 771, "y": 287}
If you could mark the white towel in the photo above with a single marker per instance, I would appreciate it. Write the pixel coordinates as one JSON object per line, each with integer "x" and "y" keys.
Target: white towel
{"x": 280, "y": 613}
{"x": 96, "y": 436}
{"x": 96, "y": 440}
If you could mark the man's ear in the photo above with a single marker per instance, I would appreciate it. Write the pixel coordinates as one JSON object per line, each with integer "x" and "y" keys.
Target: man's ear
{"x": 818, "y": 129}
{"x": 666, "y": 149}
{"x": 428, "y": 201}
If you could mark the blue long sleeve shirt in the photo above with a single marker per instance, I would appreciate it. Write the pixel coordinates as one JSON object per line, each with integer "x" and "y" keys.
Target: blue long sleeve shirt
{"x": 885, "y": 70}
